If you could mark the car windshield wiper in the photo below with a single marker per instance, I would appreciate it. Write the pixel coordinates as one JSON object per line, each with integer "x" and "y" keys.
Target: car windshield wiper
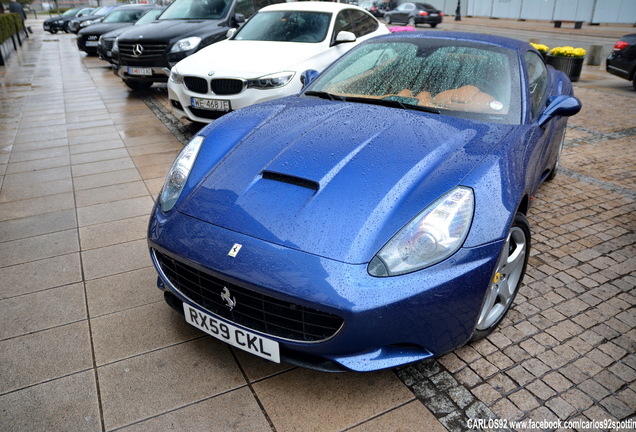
{"x": 393, "y": 102}
{"x": 325, "y": 95}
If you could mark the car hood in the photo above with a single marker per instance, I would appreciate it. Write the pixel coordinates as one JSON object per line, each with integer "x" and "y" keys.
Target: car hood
{"x": 333, "y": 179}
{"x": 102, "y": 28}
{"x": 250, "y": 59}
{"x": 170, "y": 30}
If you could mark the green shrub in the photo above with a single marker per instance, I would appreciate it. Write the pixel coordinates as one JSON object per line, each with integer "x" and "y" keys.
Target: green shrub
{"x": 10, "y": 24}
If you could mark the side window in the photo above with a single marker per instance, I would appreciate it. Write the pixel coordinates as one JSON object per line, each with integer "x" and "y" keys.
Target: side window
{"x": 343, "y": 23}
{"x": 402, "y": 7}
{"x": 538, "y": 81}
{"x": 363, "y": 23}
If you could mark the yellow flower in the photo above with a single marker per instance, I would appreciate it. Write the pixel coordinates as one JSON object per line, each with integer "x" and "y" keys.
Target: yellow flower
{"x": 567, "y": 51}
{"x": 540, "y": 47}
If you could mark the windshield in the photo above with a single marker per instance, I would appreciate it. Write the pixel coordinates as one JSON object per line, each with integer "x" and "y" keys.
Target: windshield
{"x": 473, "y": 80}
{"x": 102, "y": 10}
{"x": 196, "y": 9}
{"x": 150, "y": 16}
{"x": 124, "y": 15}
{"x": 286, "y": 26}
{"x": 71, "y": 12}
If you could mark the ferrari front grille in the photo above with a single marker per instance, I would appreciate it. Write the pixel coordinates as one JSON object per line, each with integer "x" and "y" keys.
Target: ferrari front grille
{"x": 252, "y": 310}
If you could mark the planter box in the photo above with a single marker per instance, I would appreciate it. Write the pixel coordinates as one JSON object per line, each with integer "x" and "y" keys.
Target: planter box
{"x": 571, "y": 66}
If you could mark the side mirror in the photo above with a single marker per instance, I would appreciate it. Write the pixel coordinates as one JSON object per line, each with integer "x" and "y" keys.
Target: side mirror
{"x": 238, "y": 19}
{"x": 308, "y": 77}
{"x": 230, "y": 33}
{"x": 561, "y": 105}
{"x": 345, "y": 36}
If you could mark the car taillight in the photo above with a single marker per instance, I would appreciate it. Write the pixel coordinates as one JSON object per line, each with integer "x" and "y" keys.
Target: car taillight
{"x": 441, "y": 14}
{"x": 618, "y": 46}
{"x": 373, "y": 8}
{"x": 423, "y": 13}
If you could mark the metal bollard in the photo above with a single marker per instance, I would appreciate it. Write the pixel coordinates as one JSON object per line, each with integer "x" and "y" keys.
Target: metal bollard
{"x": 594, "y": 55}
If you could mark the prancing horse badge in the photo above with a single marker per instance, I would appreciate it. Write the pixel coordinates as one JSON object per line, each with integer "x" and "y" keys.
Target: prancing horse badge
{"x": 235, "y": 250}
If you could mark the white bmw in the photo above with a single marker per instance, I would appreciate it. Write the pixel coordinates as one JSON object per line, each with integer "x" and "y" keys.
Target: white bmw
{"x": 266, "y": 57}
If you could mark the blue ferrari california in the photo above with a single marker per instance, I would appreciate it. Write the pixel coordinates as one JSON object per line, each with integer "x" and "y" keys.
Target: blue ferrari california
{"x": 375, "y": 219}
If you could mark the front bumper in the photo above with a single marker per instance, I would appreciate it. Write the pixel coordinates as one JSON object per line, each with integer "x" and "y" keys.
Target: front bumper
{"x": 159, "y": 74}
{"x": 180, "y": 99}
{"x": 387, "y": 321}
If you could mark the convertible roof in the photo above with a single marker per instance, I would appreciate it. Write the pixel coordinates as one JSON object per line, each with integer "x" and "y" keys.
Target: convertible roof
{"x": 501, "y": 41}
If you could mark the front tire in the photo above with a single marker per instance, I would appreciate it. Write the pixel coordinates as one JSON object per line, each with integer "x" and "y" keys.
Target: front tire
{"x": 507, "y": 278}
{"x": 555, "y": 168}
{"x": 387, "y": 18}
{"x": 411, "y": 22}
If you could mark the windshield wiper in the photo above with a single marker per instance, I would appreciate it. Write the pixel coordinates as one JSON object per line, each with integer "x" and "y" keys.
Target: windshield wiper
{"x": 325, "y": 95}
{"x": 394, "y": 102}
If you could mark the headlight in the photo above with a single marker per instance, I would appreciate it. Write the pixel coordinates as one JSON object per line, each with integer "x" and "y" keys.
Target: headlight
{"x": 271, "y": 81}
{"x": 432, "y": 236}
{"x": 87, "y": 23}
{"x": 186, "y": 44}
{"x": 59, "y": 22}
{"x": 179, "y": 173}
{"x": 175, "y": 76}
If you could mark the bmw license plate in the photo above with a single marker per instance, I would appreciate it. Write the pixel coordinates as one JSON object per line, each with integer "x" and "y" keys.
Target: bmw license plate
{"x": 139, "y": 71}
{"x": 235, "y": 336}
{"x": 210, "y": 104}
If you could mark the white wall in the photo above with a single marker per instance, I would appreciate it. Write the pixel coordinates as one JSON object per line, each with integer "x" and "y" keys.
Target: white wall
{"x": 595, "y": 11}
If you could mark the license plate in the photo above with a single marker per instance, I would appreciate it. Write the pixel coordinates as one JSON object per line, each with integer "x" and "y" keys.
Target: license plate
{"x": 139, "y": 71}
{"x": 91, "y": 43}
{"x": 210, "y": 104}
{"x": 235, "y": 336}
{"x": 434, "y": 14}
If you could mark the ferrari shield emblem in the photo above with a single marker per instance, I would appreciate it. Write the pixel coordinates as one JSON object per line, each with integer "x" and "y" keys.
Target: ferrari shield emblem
{"x": 235, "y": 250}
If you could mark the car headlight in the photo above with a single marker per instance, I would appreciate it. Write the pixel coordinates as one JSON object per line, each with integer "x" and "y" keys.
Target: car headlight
{"x": 432, "y": 236}
{"x": 271, "y": 81}
{"x": 186, "y": 44}
{"x": 175, "y": 76}
{"x": 179, "y": 173}
{"x": 87, "y": 23}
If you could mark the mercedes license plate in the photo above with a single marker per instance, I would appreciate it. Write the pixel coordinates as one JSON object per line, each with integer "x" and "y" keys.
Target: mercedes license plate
{"x": 139, "y": 71}
{"x": 235, "y": 336}
{"x": 210, "y": 104}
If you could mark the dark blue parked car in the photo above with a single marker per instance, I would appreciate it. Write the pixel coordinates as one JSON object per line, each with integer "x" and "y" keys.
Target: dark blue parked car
{"x": 376, "y": 219}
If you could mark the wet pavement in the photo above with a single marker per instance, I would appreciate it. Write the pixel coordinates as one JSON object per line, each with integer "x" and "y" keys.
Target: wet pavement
{"x": 87, "y": 343}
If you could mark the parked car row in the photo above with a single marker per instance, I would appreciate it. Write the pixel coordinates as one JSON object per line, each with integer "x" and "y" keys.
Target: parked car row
{"x": 118, "y": 18}
{"x": 61, "y": 22}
